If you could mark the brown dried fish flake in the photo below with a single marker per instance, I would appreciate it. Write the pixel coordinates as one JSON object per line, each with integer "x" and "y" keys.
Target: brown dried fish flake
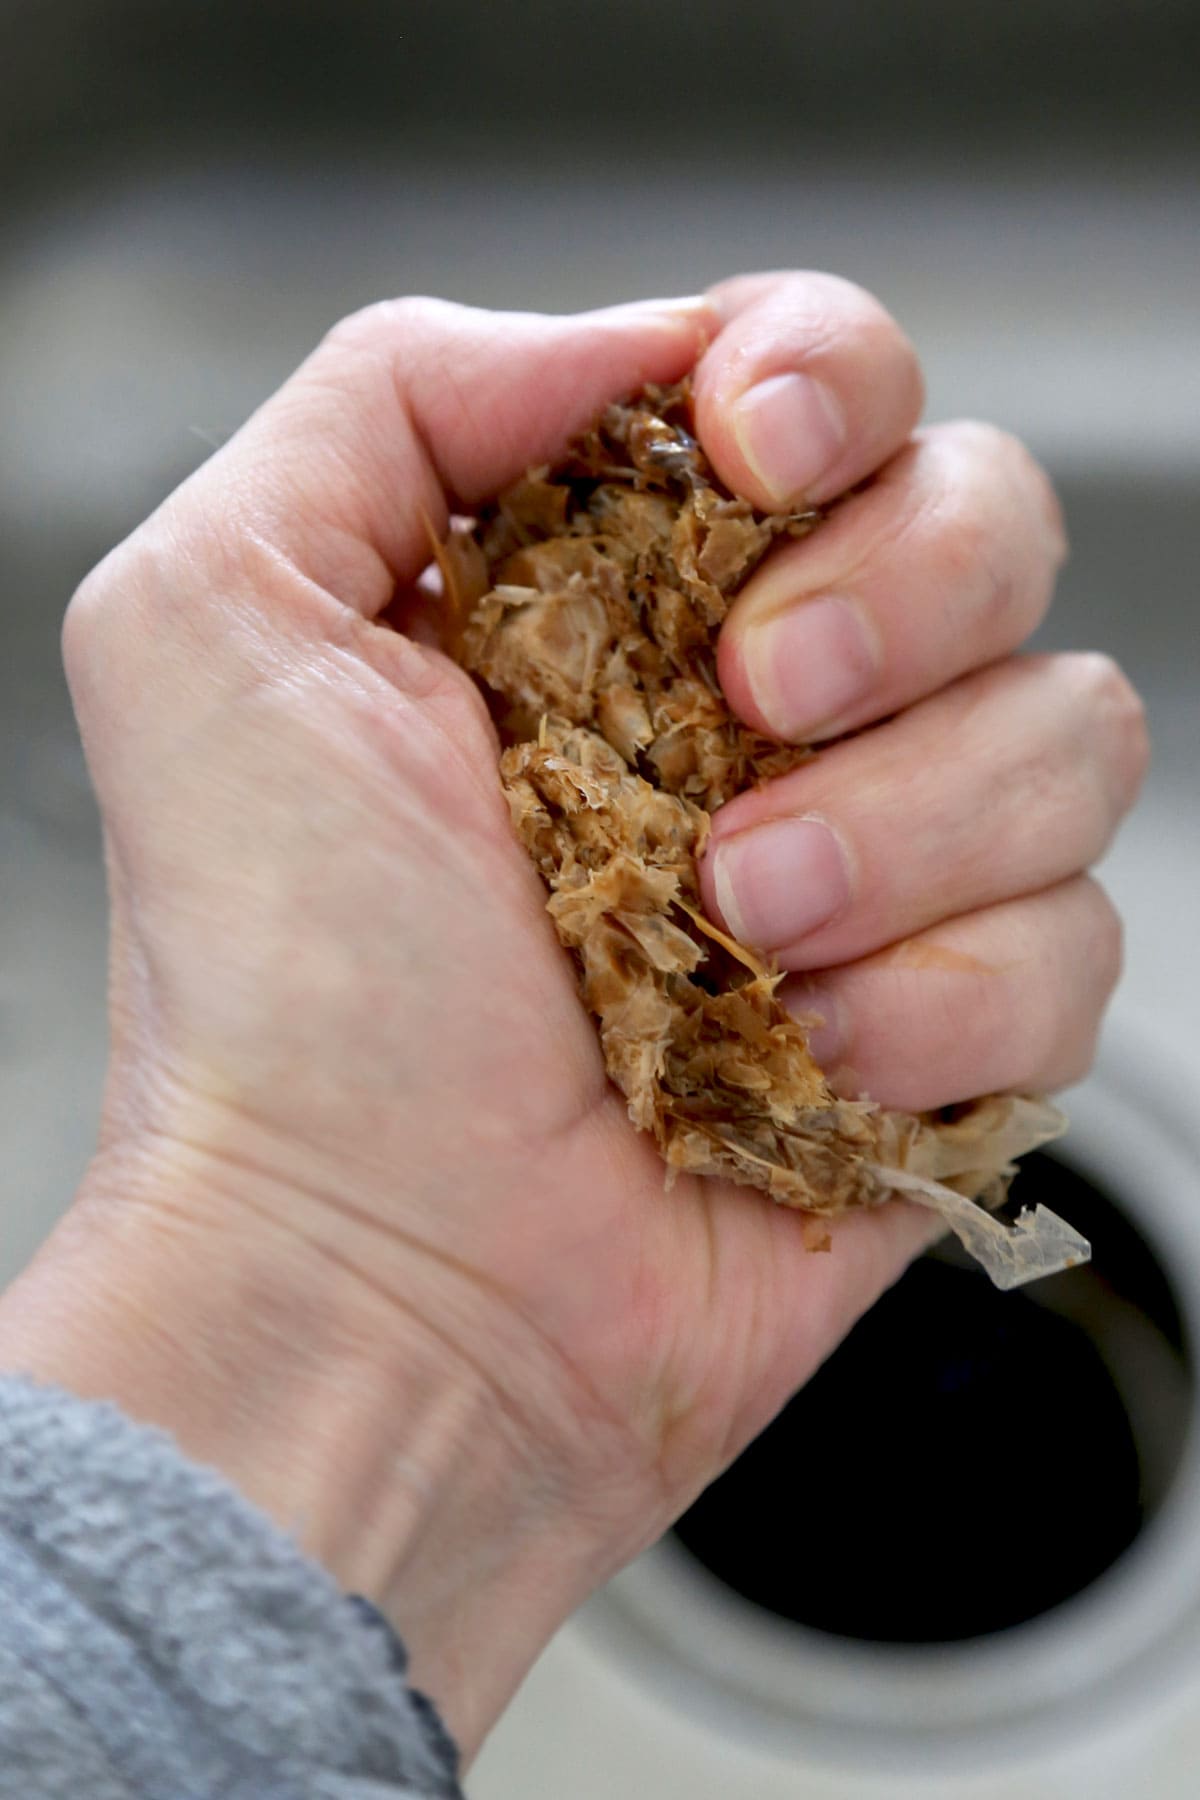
{"x": 595, "y": 591}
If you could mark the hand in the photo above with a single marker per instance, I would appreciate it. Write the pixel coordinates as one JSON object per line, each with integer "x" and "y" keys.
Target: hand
{"x": 367, "y": 1227}
{"x": 925, "y": 878}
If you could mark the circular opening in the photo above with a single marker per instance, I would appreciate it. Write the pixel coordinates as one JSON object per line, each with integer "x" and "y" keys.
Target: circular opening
{"x": 967, "y": 1459}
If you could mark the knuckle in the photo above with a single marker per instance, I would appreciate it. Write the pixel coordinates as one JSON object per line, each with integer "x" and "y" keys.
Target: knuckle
{"x": 1117, "y": 711}
{"x": 377, "y": 328}
{"x": 841, "y": 289}
{"x": 92, "y": 612}
{"x": 86, "y": 604}
{"x": 1064, "y": 1023}
{"x": 999, "y": 461}
{"x": 847, "y": 302}
{"x": 1106, "y": 939}
{"x": 1075, "y": 1063}
{"x": 115, "y": 618}
{"x": 891, "y": 347}
{"x": 1035, "y": 494}
{"x": 1127, "y": 711}
{"x": 1100, "y": 678}
{"x": 1042, "y": 1026}
{"x": 837, "y": 296}
{"x": 1102, "y": 946}
{"x": 355, "y": 332}
{"x": 1045, "y": 501}
{"x": 869, "y": 314}
{"x": 965, "y": 530}
{"x": 986, "y": 447}
{"x": 834, "y": 305}
{"x": 964, "y": 540}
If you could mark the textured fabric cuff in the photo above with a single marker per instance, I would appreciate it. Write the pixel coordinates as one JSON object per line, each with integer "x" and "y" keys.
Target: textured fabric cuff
{"x": 204, "y": 1650}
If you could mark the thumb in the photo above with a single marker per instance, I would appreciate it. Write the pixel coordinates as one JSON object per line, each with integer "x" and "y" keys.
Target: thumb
{"x": 414, "y": 405}
{"x": 323, "y": 500}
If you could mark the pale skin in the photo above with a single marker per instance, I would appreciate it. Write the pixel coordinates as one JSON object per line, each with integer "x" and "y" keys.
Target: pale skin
{"x": 367, "y": 1229}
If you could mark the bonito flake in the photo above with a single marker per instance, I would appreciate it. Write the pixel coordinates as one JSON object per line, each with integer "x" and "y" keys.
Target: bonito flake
{"x": 589, "y": 597}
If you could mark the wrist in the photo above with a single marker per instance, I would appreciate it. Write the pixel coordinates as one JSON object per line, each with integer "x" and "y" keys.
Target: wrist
{"x": 415, "y": 1458}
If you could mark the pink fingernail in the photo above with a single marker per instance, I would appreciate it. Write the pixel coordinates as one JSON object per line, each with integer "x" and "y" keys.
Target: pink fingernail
{"x": 810, "y": 664}
{"x": 791, "y": 431}
{"x": 780, "y": 881}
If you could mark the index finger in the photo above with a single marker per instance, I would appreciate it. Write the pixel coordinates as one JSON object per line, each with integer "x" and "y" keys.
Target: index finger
{"x": 809, "y": 387}
{"x": 405, "y": 410}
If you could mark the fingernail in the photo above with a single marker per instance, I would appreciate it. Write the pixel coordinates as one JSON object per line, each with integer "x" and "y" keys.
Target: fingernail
{"x": 791, "y": 431}
{"x": 780, "y": 881}
{"x": 810, "y": 664}
{"x": 681, "y": 303}
{"x": 696, "y": 309}
{"x": 825, "y": 1024}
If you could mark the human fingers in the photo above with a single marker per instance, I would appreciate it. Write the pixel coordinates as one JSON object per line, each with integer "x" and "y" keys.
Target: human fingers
{"x": 404, "y": 408}
{"x": 943, "y": 564}
{"x": 1006, "y": 998}
{"x": 1004, "y": 783}
{"x": 325, "y": 501}
{"x": 809, "y": 387}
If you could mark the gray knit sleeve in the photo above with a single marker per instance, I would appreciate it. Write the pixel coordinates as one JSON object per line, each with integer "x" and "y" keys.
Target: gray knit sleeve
{"x": 161, "y": 1638}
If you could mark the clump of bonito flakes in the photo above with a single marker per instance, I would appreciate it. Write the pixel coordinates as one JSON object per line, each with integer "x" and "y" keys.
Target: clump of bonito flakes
{"x": 587, "y": 599}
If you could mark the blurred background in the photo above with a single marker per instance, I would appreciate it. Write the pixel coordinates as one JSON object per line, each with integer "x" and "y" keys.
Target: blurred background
{"x": 192, "y": 195}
